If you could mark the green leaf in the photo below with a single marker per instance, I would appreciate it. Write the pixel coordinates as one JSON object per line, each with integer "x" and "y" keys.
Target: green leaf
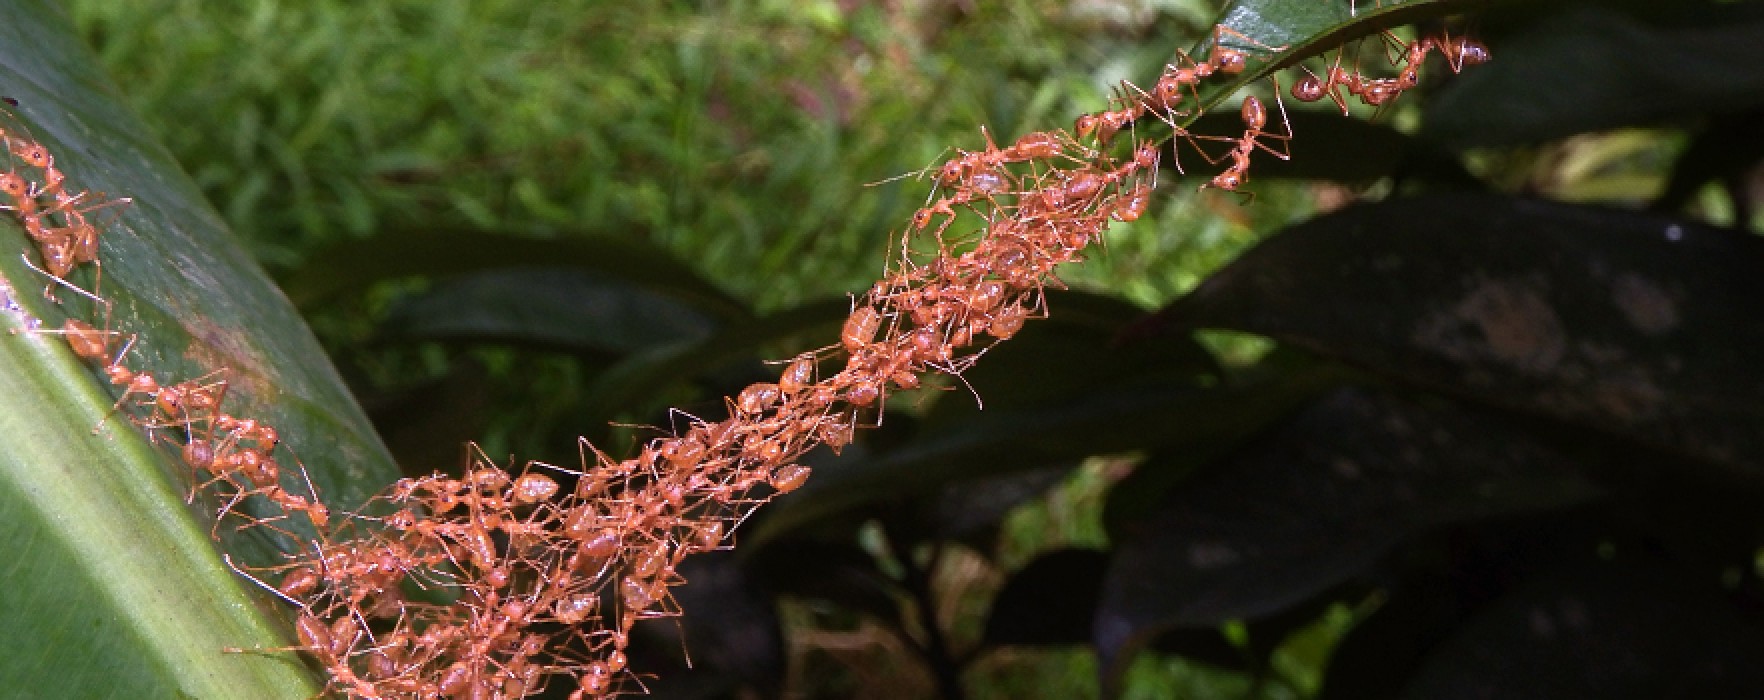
{"x": 1284, "y": 32}
{"x": 114, "y": 587}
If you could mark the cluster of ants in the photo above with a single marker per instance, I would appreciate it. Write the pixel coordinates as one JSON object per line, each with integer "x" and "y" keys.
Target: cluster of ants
{"x": 53, "y": 215}
{"x": 1165, "y": 100}
{"x": 547, "y": 579}
{"x": 1458, "y": 52}
{"x": 230, "y": 455}
{"x": 500, "y": 583}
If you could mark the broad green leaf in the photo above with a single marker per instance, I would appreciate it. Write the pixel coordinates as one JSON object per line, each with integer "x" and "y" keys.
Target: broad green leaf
{"x": 115, "y": 588}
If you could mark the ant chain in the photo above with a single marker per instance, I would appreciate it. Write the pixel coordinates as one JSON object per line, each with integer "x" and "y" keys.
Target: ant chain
{"x": 549, "y": 568}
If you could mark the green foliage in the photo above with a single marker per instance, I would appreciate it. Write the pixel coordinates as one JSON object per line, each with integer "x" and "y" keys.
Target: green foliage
{"x": 113, "y": 588}
{"x": 671, "y": 123}
{"x": 1482, "y": 413}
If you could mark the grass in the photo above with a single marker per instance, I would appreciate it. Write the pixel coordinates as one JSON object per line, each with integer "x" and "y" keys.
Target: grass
{"x": 744, "y": 137}
{"x": 740, "y": 135}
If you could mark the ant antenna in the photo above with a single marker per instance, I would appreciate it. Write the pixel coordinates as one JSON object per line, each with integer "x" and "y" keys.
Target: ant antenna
{"x": 26, "y": 257}
{"x": 228, "y": 558}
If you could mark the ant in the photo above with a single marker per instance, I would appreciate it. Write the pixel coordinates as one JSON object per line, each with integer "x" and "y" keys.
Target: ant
{"x": 1255, "y": 121}
{"x": 1460, "y": 52}
{"x": 1312, "y": 87}
{"x": 1228, "y": 61}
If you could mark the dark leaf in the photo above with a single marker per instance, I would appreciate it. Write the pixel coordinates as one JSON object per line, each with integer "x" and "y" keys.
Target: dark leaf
{"x": 567, "y": 308}
{"x": 1636, "y": 326}
{"x": 837, "y": 573}
{"x": 1601, "y": 631}
{"x": 356, "y": 265}
{"x": 425, "y": 425}
{"x": 969, "y": 511}
{"x": 1057, "y": 392}
{"x": 1725, "y": 150}
{"x": 1065, "y": 355}
{"x": 1348, "y": 150}
{"x": 729, "y": 633}
{"x": 1312, "y": 503}
{"x": 1592, "y": 67}
{"x": 652, "y": 371}
{"x": 1211, "y": 424}
{"x": 1050, "y": 602}
{"x": 1432, "y": 586}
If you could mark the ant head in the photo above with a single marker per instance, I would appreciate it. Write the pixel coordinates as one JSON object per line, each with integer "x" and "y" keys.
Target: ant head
{"x": 1168, "y": 91}
{"x": 952, "y": 172}
{"x": 1408, "y": 77}
{"x": 1146, "y": 155}
{"x": 1228, "y": 180}
{"x": 32, "y": 153}
{"x": 922, "y": 218}
{"x": 1085, "y": 125}
{"x": 13, "y": 185}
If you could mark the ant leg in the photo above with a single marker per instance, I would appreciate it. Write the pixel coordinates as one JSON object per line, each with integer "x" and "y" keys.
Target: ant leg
{"x": 1236, "y": 142}
{"x": 1391, "y": 41}
{"x": 57, "y": 280}
{"x": 1285, "y": 152}
{"x": 228, "y": 558}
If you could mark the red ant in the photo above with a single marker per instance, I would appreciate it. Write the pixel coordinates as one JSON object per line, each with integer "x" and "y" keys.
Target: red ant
{"x": 1312, "y": 87}
{"x": 1462, "y": 51}
{"x": 1255, "y": 120}
{"x": 1168, "y": 90}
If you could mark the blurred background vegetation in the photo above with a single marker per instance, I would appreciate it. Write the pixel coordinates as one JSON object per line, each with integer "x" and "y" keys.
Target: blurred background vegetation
{"x": 759, "y": 145}
{"x": 739, "y": 135}
{"x": 743, "y": 138}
